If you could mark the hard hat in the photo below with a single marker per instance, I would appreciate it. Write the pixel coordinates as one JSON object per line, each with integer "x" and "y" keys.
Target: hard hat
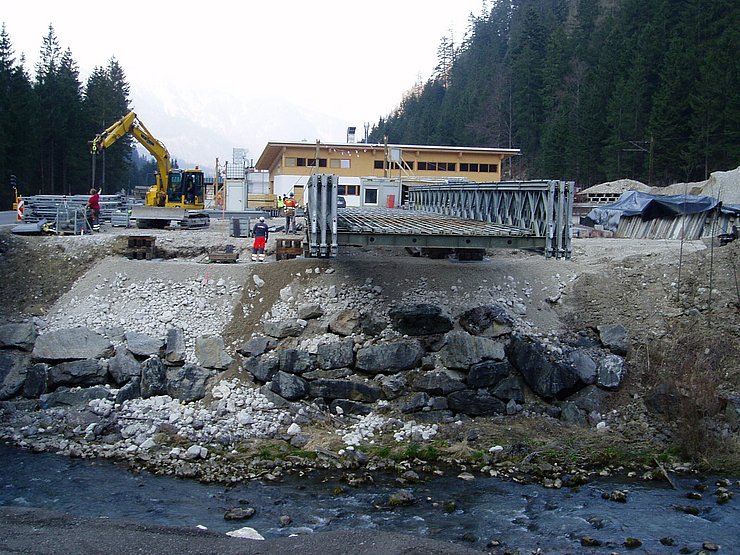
{"x": 291, "y": 194}
{"x": 262, "y": 218}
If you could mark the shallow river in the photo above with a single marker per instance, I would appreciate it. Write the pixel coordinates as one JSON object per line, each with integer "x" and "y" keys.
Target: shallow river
{"x": 527, "y": 517}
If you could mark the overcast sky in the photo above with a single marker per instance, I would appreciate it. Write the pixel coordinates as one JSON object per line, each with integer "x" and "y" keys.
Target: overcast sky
{"x": 210, "y": 76}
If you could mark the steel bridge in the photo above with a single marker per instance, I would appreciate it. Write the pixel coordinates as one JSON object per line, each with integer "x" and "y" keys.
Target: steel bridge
{"x": 521, "y": 214}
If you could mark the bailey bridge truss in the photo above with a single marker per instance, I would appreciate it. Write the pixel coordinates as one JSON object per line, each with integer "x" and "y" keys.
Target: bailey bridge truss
{"x": 522, "y": 214}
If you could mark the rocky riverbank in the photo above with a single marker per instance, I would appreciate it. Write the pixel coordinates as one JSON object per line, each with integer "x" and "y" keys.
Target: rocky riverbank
{"x": 375, "y": 361}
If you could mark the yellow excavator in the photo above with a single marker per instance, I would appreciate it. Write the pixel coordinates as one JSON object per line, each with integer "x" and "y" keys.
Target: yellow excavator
{"x": 177, "y": 195}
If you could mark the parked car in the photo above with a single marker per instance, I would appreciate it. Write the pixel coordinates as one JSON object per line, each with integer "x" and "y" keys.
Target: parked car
{"x": 341, "y": 202}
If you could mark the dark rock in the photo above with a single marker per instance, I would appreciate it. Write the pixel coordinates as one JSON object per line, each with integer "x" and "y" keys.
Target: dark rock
{"x": 510, "y": 389}
{"x": 257, "y": 346}
{"x": 393, "y": 386}
{"x": 584, "y": 365}
{"x": 345, "y": 322}
{"x": 434, "y": 416}
{"x": 289, "y": 386}
{"x": 18, "y": 336}
{"x": 240, "y": 513}
{"x": 37, "y": 381}
{"x": 420, "y": 319}
{"x": 174, "y": 350}
{"x": 283, "y": 328}
{"x": 123, "y": 366}
{"x": 344, "y": 389}
{"x": 210, "y": 352}
{"x": 688, "y": 509}
{"x": 188, "y": 382}
{"x": 13, "y": 368}
{"x": 588, "y": 541}
{"x": 262, "y": 368}
{"x": 142, "y": 345}
{"x": 71, "y": 344}
{"x": 475, "y": 403}
{"x": 337, "y": 354}
{"x": 309, "y": 311}
{"x": 615, "y": 338}
{"x": 77, "y": 373}
{"x": 617, "y": 495}
{"x": 64, "y": 397}
{"x": 569, "y": 412}
{"x": 432, "y": 343}
{"x": 294, "y": 361}
{"x": 462, "y": 350}
{"x": 732, "y": 411}
{"x": 548, "y": 377}
{"x": 664, "y": 399}
{"x": 372, "y": 324}
{"x": 487, "y": 321}
{"x": 389, "y": 358}
{"x": 350, "y": 407}
{"x": 402, "y": 498}
{"x": 437, "y": 383}
{"x": 153, "y": 378}
{"x": 132, "y": 390}
{"x": 590, "y": 399}
{"x": 611, "y": 371}
{"x": 414, "y": 403}
{"x": 488, "y": 373}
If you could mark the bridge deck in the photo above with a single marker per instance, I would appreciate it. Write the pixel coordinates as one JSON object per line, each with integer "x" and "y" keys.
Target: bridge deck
{"x": 396, "y": 227}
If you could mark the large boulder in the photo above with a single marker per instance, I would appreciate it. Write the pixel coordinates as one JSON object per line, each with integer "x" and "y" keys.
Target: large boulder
{"x": 262, "y": 368}
{"x": 153, "y": 378}
{"x": 37, "y": 381}
{"x": 509, "y": 389}
{"x": 71, "y": 344}
{"x": 488, "y": 373}
{"x": 64, "y": 397}
{"x": 475, "y": 403}
{"x": 132, "y": 390}
{"x": 83, "y": 373}
{"x": 487, "y": 321}
{"x": 583, "y": 363}
{"x": 143, "y": 345}
{"x": 13, "y": 368}
{"x": 338, "y": 354}
{"x": 123, "y": 366}
{"x": 309, "y": 311}
{"x": 611, "y": 371}
{"x": 294, "y": 361}
{"x": 289, "y": 386}
{"x": 344, "y": 389}
{"x": 18, "y": 336}
{"x": 283, "y": 328}
{"x": 389, "y": 358}
{"x": 438, "y": 383}
{"x": 548, "y": 376}
{"x": 420, "y": 319}
{"x": 211, "y": 353}
{"x": 345, "y": 322}
{"x": 174, "y": 350}
{"x": 615, "y": 338}
{"x": 256, "y": 346}
{"x": 188, "y": 382}
{"x": 462, "y": 350}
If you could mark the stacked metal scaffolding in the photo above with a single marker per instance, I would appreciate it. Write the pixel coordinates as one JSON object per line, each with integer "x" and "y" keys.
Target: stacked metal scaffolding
{"x": 48, "y": 207}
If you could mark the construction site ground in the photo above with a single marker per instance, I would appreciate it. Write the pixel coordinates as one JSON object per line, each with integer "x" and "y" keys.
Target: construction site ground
{"x": 656, "y": 289}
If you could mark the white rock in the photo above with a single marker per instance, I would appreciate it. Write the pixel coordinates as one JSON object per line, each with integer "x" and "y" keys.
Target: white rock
{"x": 246, "y": 533}
{"x": 258, "y": 281}
{"x": 294, "y": 429}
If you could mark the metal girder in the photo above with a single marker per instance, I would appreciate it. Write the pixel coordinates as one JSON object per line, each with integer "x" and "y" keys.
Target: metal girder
{"x": 436, "y": 241}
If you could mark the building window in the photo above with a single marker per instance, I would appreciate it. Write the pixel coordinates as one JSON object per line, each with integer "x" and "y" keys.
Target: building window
{"x": 421, "y": 165}
{"x": 301, "y": 162}
{"x": 490, "y": 168}
{"x": 311, "y": 162}
{"x": 291, "y": 162}
{"x": 371, "y": 196}
{"x": 378, "y": 165}
{"x": 339, "y": 163}
{"x": 348, "y": 190}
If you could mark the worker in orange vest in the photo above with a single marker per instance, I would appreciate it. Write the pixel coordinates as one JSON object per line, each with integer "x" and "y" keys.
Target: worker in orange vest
{"x": 290, "y": 207}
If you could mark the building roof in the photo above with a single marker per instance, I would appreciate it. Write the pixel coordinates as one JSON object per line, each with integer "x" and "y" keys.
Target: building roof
{"x": 273, "y": 149}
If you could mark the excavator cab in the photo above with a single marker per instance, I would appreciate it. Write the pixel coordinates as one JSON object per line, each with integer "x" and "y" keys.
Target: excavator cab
{"x": 185, "y": 187}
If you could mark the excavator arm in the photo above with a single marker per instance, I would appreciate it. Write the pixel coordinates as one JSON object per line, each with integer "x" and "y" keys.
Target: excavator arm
{"x": 130, "y": 123}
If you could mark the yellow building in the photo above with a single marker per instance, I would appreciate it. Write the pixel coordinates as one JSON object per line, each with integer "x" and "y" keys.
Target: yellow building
{"x": 291, "y": 163}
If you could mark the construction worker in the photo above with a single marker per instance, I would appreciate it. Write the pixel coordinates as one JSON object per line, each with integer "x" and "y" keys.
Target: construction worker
{"x": 260, "y": 233}
{"x": 93, "y": 204}
{"x": 290, "y": 206}
{"x": 280, "y": 206}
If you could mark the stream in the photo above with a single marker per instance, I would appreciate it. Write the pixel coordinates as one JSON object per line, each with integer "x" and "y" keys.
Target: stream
{"x": 525, "y": 517}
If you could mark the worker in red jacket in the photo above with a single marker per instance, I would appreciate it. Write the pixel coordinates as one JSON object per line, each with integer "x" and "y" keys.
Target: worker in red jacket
{"x": 290, "y": 207}
{"x": 93, "y": 204}
{"x": 260, "y": 233}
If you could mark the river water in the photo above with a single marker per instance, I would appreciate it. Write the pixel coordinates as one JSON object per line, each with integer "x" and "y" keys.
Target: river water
{"x": 527, "y": 517}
